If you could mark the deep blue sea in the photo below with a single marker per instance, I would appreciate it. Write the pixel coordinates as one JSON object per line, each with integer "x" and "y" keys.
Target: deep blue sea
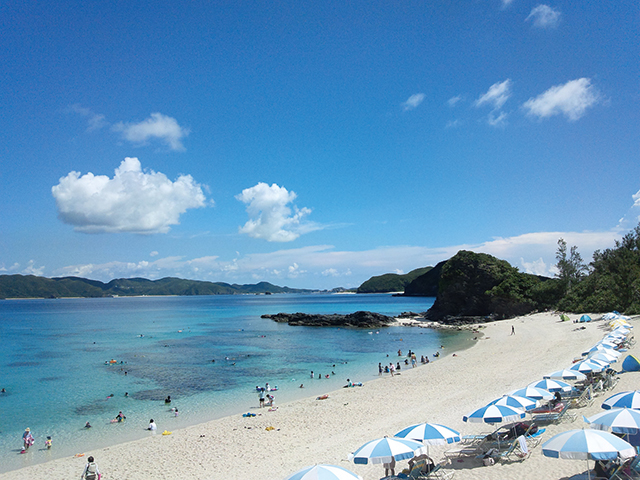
{"x": 52, "y": 362}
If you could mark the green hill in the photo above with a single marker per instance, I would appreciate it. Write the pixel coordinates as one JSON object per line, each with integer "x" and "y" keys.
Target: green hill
{"x": 390, "y": 282}
{"x": 31, "y": 286}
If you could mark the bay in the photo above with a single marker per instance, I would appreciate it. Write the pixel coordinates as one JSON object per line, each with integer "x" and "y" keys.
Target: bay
{"x": 70, "y": 361}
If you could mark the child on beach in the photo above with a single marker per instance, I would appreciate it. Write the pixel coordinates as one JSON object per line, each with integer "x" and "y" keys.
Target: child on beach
{"x": 27, "y": 440}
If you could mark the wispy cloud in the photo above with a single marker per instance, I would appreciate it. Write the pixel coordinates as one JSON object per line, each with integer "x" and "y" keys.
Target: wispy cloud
{"x": 543, "y": 16}
{"x": 506, "y": 3}
{"x": 413, "y": 101}
{"x": 496, "y": 96}
{"x": 453, "y": 101}
{"x": 95, "y": 121}
{"x": 571, "y": 99}
{"x": 157, "y": 126}
{"x": 132, "y": 201}
{"x": 270, "y": 217}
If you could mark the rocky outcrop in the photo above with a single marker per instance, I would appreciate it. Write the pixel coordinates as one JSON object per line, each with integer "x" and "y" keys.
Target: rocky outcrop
{"x": 479, "y": 287}
{"x": 355, "y": 320}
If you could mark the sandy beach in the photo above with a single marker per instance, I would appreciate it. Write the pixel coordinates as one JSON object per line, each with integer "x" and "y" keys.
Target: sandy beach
{"x": 310, "y": 431}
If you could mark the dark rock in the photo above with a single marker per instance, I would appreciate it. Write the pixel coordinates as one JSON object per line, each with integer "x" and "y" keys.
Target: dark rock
{"x": 359, "y": 319}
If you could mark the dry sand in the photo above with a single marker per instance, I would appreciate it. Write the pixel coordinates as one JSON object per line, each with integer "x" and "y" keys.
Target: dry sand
{"x": 311, "y": 431}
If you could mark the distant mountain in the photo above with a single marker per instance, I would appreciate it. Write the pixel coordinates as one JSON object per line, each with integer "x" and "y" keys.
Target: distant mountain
{"x": 30, "y": 286}
{"x": 390, "y": 282}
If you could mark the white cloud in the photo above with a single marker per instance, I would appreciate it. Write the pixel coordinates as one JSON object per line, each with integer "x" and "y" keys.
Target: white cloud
{"x": 157, "y": 126}
{"x": 453, "y": 101}
{"x": 95, "y": 120}
{"x": 153, "y": 254}
{"x": 544, "y": 16}
{"x": 453, "y": 123}
{"x": 496, "y": 96}
{"x": 535, "y": 267}
{"x": 269, "y": 216}
{"x": 571, "y": 99}
{"x": 132, "y": 201}
{"x": 506, "y": 3}
{"x": 497, "y": 119}
{"x": 31, "y": 269}
{"x": 413, "y": 101}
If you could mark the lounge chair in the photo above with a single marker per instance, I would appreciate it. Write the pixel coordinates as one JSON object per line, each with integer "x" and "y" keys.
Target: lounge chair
{"x": 534, "y": 439}
{"x": 518, "y": 450}
{"x": 417, "y": 473}
{"x": 463, "y": 451}
{"x": 555, "y": 417}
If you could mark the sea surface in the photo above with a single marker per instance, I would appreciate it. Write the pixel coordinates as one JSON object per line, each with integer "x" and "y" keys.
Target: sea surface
{"x": 207, "y": 352}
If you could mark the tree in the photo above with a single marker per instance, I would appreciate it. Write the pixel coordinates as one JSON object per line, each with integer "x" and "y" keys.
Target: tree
{"x": 571, "y": 268}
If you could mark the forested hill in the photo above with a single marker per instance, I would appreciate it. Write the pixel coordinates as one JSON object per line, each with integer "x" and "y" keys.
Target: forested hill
{"x": 30, "y": 286}
{"x": 391, "y": 282}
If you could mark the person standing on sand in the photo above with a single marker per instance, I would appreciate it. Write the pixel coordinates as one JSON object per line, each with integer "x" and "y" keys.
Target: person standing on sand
{"x": 513, "y": 330}
{"x": 389, "y": 468}
{"x": 90, "y": 471}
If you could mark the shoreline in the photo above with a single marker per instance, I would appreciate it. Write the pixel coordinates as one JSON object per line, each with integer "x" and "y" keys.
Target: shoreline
{"x": 309, "y": 431}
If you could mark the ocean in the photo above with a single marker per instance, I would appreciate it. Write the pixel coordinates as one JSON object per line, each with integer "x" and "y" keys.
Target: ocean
{"x": 66, "y": 362}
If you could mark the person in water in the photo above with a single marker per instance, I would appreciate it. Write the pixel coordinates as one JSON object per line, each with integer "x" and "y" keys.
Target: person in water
{"x": 87, "y": 425}
{"x": 27, "y": 439}
{"x": 120, "y": 417}
{"x": 152, "y": 425}
{"x": 168, "y": 399}
{"x": 48, "y": 442}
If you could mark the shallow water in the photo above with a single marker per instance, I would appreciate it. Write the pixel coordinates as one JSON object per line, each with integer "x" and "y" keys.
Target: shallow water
{"x": 53, "y": 355}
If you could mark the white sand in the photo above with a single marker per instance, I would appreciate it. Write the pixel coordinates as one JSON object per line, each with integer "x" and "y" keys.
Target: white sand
{"x": 313, "y": 431}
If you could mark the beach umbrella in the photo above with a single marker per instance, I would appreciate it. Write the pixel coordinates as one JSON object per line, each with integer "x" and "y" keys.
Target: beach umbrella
{"x": 494, "y": 414}
{"x": 533, "y": 392}
{"x": 587, "y": 367}
{"x": 383, "y": 450}
{"x": 617, "y": 420}
{"x": 567, "y": 375}
{"x": 324, "y": 472}
{"x": 603, "y": 356}
{"x": 599, "y": 347}
{"x": 429, "y": 434}
{"x": 552, "y": 385}
{"x": 587, "y": 445}
{"x": 516, "y": 401}
{"x": 629, "y": 399}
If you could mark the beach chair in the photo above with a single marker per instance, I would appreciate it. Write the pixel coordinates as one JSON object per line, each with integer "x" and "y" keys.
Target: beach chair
{"x": 518, "y": 450}
{"x": 534, "y": 439}
{"x": 463, "y": 451}
{"x": 585, "y": 399}
{"x": 437, "y": 474}
{"x": 555, "y": 417}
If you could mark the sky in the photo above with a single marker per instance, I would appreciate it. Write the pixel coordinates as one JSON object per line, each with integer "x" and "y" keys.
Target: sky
{"x": 313, "y": 144}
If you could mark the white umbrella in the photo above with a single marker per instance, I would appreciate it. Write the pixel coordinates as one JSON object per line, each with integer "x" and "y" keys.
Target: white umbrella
{"x": 567, "y": 375}
{"x": 618, "y": 420}
{"x": 429, "y": 434}
{"x": 587, "y": 367}
{"x": 494, "y": 414}
{"x": 552, "y": 385}
{"x": 533, "y": 392}
{"x": 516, "y": 401}
{"x": 587, "y": 445}
{"x": 623, "y": 400}
{"x": 324, "y": 472}
{"x": 383, "y": 450}
{"x": 603, "y": 356}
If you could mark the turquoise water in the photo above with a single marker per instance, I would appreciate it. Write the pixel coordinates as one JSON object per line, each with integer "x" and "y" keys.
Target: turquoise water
{"x": 53, "y": 355}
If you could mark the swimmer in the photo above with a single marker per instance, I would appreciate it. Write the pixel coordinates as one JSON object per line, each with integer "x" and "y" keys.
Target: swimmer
{"x": 126, "y": 394}
{"x": 120, "y": 417}
{"x": 168, "y": 399}
{"x": 3, "y": 391}
{"x": 302, "y": 385}
{"x": 175, "y": 412}
{"x": 87, "y": 425}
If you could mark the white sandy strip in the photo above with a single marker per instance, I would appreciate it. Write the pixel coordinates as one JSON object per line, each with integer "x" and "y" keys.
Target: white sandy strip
{"x": 313, "y": 431}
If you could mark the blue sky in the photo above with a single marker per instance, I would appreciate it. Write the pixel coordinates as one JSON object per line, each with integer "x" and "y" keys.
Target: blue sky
{"x": 313, "y": 144}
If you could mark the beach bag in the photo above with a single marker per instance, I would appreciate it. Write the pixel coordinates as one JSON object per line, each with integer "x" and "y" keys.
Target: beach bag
{"x": 91, "y": 472}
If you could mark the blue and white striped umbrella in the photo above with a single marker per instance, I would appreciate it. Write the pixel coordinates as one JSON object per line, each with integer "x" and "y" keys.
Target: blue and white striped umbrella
{"x": 567, "y": 375}
{"x": 623, "y": 400}
{"x": 599, "y": 347}
{"x": 533, "y": 392}
{"x": 515, "y": 401}
{"x": 587, "y": 367}
{"x": 494, "y": 414}
{"x": 587, "y": 444}
{"x": 552, "y": 385}
{"x": 383, "y": 450}
{"x": 429, "y": 434}
{"x": 618, "y": 420}
{"x": 324, "y": 472}
{"x": 603, "y": 356}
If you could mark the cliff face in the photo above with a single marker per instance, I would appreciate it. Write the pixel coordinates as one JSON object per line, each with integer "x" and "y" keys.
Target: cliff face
{"x": 474, "y": 285}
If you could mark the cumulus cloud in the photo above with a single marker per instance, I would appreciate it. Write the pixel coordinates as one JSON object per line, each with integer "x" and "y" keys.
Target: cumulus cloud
{"x": 496, "y": 96}
{"x": 571, "y": 100}
{"x": 543, "y": 16}
{"x": 413, "y": 101}
{"x": 158, "y": 126}
{"x": 132, "y": 201}
{"x": 270, "y": 217}
{"x": 95, "y": 120}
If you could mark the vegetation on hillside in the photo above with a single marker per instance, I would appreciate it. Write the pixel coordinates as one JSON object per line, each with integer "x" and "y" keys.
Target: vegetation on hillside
{"x": 390, "y": 282}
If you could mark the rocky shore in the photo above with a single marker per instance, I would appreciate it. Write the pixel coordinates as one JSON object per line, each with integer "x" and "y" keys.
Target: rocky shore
{"x": 360, "y": 319}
